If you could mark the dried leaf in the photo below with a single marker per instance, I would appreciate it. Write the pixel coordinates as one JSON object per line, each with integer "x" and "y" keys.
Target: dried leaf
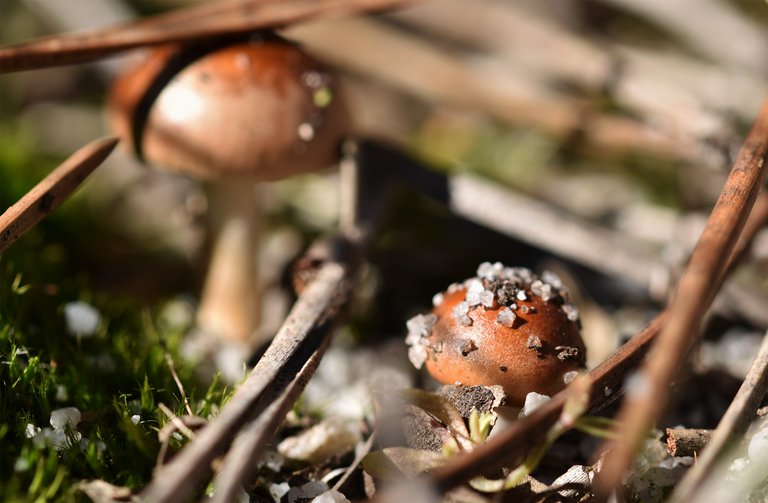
{"x": 394, "y": 463}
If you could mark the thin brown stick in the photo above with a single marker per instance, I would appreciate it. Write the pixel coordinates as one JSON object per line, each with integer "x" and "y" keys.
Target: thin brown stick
{"x": 193, "y": 23}
{"x": 53, "y": 190}
{"x": 249, "y": 444}
{"x": 735, "y": 422}
{"x": 302, "y": 333}
{"x": 686, "y": 441}
{"x": 511, "y": 446}
{"x": 695, "y": 290}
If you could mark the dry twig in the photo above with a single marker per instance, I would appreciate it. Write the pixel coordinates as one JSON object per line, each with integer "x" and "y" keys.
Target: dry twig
{"x": 209, "y": 20}
{"x": 686, "y": 441}
{"x": 695, "y": 292}
{"x": 249, "y": 444}
{"x": 52, "y": 190}
{"x": 303, "y": 332}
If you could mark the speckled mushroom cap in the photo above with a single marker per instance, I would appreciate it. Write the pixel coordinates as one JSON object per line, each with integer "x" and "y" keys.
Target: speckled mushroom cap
{"x": 506, "y": 326}
{"x": 261, "y": 109}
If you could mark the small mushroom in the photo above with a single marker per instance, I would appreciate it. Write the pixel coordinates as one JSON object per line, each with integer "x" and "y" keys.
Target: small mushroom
{"x": 234, "y": 112}
{"x": 507, "y": 326}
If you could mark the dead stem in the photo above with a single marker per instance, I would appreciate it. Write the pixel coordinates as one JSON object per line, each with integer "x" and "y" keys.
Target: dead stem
{"x": 735, "y": 422}
{"x": 53, "y": 190}
{"x": 695, "y": 292}
{"x": 193, "y": 23}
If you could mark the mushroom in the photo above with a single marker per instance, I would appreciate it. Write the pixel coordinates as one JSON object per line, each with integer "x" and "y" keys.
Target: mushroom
{"x": 505, "y": 326}
{"x": 236, "y": 112}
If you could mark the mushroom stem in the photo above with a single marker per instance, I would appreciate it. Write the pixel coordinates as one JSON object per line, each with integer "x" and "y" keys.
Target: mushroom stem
{"x": 229, "y": 304}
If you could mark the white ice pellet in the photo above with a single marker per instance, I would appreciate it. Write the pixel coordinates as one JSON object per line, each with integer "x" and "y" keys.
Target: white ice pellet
{"x": 473, "y": 299}
{"x": 542, "y": 289}
{"x": 570, "y": 376}
{"x": 277, "y": 491}
{"x": 437, "y": 299}
{"x": 62, "y": 395}
{"x": 486, "y": 298}
{"x": 485, "y": 270}
{"x": 68, "y": 416}
{"x": 230, "y": 361}
{"x": 533, "y": 401}
{"x": 506, "y": 317}
{"x": 571, "y": 312}
{"x": 453, "y": 287}
{"x": 59, "y": 439}
{"x": 489, "y": 271}
{"x": 460, "y": 310}
{"x": 31, "y": 430}
{"x": 552, "y": 279}
{"x": 331, "y": 496}
{"x": 521, "y": 295}
{"x": 474, "y": 285}
{"x": 738, "y": 464}
{"x": 758, "y": 446}
{"x": 421, "y": 325}
{"x": 417, "y": 354}
{"x": 135, "y": 419}
{"x": 82, "y": 319}
{"x": 21, "y": 465}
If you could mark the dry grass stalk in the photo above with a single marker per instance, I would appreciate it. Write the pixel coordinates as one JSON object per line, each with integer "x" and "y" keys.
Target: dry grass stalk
{"x": 695, "y": 292}
{"x": 52, "y": 190}
{"x": 209, "y": 20}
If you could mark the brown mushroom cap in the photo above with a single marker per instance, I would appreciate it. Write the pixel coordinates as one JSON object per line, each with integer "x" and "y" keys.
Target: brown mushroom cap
{"x": 261, "y": 109}
{"x": 508, "y": 327}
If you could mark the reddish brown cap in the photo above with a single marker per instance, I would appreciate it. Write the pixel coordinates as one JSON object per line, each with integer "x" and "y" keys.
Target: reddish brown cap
{"x": 507, "y": 326}
{"x": 260, "y": 109}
